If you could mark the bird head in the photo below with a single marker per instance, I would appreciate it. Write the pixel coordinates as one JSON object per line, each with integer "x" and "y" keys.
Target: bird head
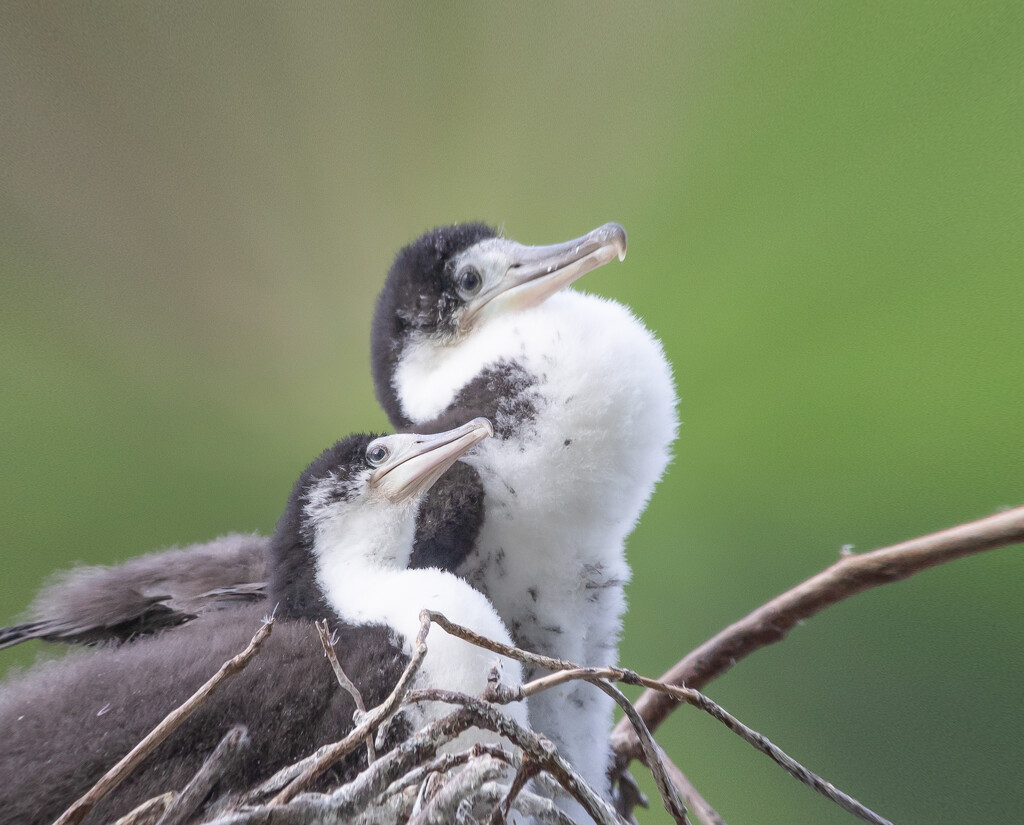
{"x": 454, "y": 279}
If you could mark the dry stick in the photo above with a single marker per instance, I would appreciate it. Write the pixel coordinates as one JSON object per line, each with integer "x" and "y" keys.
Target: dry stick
{"x": 486, "y": 715}
{"x": 526, "y": 656}
{"x": 567, "y": 671}
{"x": 713, "y": 709}
{"x": 445, "y": 762}
{"x": 328, "y": 642}
{"x": 227, "y": 752}
{"x": 371, "y": 783}
{"x": 149, "y": 811}
{"x": 528, "y": 768}
{"x": 697, "y": 803}
{"x": 331, "y": 754}
{"x": 350, "y": 800}
{"x": 441, "y": 809}
{"x": 681, "y": 694}
{"x": 283, "y": 777}
{"x": 847, "y": 577}
{"x": 529, "y": 804}
{"x": 112, "y": 778}
{"x": 652, "y": 753}
{"x": 396, "y": 808}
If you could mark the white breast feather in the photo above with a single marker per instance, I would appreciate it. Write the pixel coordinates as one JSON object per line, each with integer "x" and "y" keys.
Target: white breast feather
{"x": 563, "y": 497}
{"x": 362, "y": 590}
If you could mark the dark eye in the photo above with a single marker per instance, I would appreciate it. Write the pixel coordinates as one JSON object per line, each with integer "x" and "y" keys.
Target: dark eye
{"x": 377, "y": 454}
{"x": 469, "y": 281}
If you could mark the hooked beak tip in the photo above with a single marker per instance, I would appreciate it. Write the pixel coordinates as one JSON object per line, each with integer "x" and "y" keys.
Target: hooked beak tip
{"x": 485, "y": 424}
{"x": 615, "y": 235}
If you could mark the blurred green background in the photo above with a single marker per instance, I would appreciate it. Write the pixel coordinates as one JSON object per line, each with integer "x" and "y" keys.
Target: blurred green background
{"x": 825, "y": 205}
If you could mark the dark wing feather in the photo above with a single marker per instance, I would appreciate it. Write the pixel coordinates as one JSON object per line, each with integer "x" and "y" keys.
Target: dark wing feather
{"x": 88, "y": 605}
{"x": 64, "y": 723}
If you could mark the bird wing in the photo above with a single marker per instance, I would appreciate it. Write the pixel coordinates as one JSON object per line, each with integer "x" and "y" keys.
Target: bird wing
{"x": 88, "y": 605}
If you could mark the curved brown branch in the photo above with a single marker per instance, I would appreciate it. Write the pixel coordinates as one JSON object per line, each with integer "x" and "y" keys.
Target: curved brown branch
{"x": 772, "y": 621}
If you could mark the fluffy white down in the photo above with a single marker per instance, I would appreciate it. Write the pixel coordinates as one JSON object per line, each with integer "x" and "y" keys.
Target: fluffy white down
{"x": 562, "y": 497}
{"x": 362, "y": 555}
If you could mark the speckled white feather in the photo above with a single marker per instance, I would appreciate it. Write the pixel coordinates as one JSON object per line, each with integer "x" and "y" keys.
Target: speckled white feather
{"x": 563, "y": 495}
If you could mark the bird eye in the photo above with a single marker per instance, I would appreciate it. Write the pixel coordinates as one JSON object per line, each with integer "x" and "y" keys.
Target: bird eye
{"x": 469, "y": 281}
{"x": 377, "y": 454}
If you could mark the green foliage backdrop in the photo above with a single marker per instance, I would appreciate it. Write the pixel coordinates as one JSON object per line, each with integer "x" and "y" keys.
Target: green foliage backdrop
{"x": 826, "y": 213}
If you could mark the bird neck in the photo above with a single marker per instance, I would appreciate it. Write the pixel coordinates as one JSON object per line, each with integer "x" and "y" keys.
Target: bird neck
{"x": 428, "y": 375}
{"x": 374, "y": 539}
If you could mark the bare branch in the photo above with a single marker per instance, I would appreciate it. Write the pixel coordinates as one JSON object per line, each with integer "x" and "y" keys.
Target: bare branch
{"x": 527, "y": 769}
{"x": 445, "y": 762}
{"x": 694, "y": 801}
{"x": 771, "y": 622}
{"x": 653, "y": 754}
{"x": 112, "y": 778}
{"x": 351, "y": 799}
{"x": 528, "y": 804}
{"x": 471, "y": 636}
{"x": 332, "y": 753}
{"x": 485, "y": 715}
{"x": 227, "y": 752}
{"x": 463, "y": 785}
{"x": 680, "y": 694}
{"x": 149, "y": 811}
{"x": 328, "y": 642}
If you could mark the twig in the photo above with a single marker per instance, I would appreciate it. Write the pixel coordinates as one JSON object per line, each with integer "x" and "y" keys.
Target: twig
{"x": 149, "y": 811}
{"x": 350, "y": 800}
{"x": 441, "y": 809}
{"x": 680, "y": 694}
{"x": 471, "y": 636}
{"x": 112, "y": 778}
{"x": 770, "y": 623}
{"x": 485, "y": 715}
{"x": 653, "y": 754}
{"x": 716, "y": 711}
{"x": 227, "y": 752}
{"x": 332, "y": 753}
{"x": 527, "y": 769}
{"x": 328, "y": 642}
{"x": 528, "y": 804}
{"x": 388, "y": 810}
{"x": 445, "y": 762}
{"x": 355, "y": 796}
{"x": 694, "y": 801}
{"x": 283, "y": 777}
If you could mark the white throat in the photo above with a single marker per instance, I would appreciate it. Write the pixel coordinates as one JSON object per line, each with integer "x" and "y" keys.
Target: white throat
{"x": 361, "y": 557}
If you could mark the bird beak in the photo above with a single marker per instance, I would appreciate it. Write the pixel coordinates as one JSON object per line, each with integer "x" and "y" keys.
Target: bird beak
{"x": 535, "y": 273}
{"x": 415, "y": 465}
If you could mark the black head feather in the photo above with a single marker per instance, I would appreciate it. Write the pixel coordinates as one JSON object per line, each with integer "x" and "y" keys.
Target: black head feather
{"x": 418, "y": 296}
{"x": 291, "y": 570}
